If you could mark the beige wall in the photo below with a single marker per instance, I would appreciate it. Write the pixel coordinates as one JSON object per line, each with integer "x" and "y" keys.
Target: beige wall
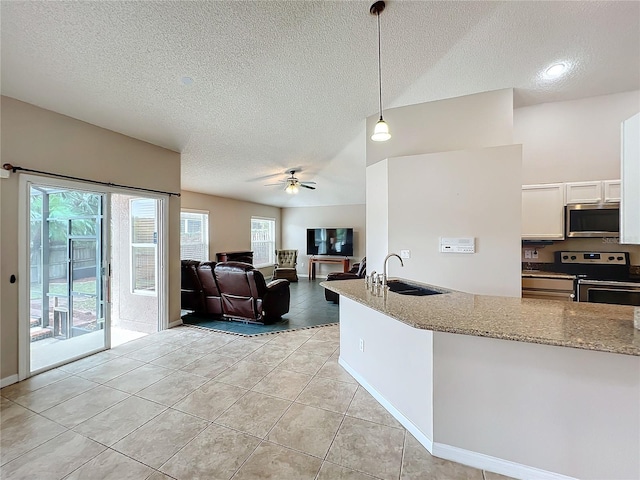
{"x": 473, "y": 121}
{"x": 43, "y": 140}
{"x": 377, "y": 215}
{"x": 440, "y": 181}
{"x": 458, "y": 194}
{"x": 564, "y": 410}
{"x": 133, "y": 311}
{"x": 573, "y": 141}
{"x": 230, "y": 221}
{"x": 295, "y": 222}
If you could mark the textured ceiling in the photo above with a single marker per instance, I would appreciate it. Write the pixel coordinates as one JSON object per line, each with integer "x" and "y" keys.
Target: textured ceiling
{"x": 280, "y": 85}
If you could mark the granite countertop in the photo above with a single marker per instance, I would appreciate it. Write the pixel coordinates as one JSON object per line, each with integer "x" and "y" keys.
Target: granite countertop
{"x": 545, "y": 274}
{"x": 589, "y": 326}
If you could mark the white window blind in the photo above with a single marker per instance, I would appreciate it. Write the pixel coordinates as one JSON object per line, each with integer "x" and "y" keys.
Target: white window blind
{"x": 194, "y": 235}
{"x": 263, "y": 241}
{"x": 144, "y": 244}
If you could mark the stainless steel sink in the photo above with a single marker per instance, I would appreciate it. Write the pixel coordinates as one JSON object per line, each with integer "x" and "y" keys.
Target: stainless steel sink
{"x": 403, "y": 288}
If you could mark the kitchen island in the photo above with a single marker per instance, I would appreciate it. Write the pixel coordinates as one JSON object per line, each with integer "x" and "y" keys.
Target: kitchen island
{"x": 526, "y": 388}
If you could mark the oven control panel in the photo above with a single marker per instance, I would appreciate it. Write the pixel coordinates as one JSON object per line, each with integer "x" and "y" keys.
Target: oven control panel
{"x": 594, "y": 258}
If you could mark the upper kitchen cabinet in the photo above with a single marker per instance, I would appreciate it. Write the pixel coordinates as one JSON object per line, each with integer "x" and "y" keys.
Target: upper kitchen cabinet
{"x": 612, "y": 190}
{"x": 543, "y": 211}
{"x": 593, "y": 192}
{"x": 630, "y": 166}
{"x": 584, "y": 192}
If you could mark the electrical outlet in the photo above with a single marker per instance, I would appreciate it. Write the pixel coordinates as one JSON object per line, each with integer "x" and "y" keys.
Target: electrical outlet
{"x": 405, "y": 253}
{"x": 527, "y": 253}
{"x": 534, "y": 254}
{"x": 361, "y": 345}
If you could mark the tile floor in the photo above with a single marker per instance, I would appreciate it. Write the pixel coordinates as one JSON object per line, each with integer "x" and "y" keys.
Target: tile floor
{"x": 193, "y": 404}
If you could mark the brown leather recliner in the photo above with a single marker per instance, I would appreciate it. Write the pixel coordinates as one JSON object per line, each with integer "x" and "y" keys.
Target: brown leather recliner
{"x": 359, "y": 270}
{"x": 190, "y": 287}
{"x": 245, "y": 294}
{"x": 210, "y": 291}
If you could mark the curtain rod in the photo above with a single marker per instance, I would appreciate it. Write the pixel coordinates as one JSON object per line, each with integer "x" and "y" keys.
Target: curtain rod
{"x": 14, "y": 169}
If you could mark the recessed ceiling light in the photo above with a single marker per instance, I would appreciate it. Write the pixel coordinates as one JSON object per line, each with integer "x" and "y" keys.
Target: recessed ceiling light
{"x": 187, "y": 80}
{"x": 555, "y": 71}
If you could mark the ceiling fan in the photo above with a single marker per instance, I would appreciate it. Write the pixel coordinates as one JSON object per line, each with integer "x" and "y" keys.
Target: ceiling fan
{"x": 292, "y": 185}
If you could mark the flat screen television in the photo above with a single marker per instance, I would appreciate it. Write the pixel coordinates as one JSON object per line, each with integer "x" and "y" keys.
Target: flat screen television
{"x": 330, "y": 241}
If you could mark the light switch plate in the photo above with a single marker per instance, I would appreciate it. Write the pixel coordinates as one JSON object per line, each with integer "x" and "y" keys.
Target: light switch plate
{"x": 405, "y": 253}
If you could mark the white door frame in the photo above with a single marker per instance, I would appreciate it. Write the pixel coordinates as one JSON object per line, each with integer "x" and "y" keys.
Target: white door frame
{"x": 25, "y": 180}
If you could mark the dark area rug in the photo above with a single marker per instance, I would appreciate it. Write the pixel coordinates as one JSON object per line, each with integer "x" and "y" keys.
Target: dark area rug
{"x": 308, "y": 309}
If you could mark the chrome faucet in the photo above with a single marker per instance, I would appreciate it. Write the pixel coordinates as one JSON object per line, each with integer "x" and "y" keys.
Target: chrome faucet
{"x": 386, "y": 259}
{"x": 372, "y": 278}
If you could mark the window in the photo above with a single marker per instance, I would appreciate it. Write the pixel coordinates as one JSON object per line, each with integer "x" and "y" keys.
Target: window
{"x": 144, "y": 244}
{"x": 263, "y": 241}
{"x": 194, "y": 235}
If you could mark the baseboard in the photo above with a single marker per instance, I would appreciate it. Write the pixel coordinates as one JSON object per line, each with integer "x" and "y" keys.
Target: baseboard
{"x": 494, "y": 464}
{"x": 10, "y": 380}
{"x": 175, "y": 324}
{"x": 406, "y": 423}
{"x": 455, "y": 454}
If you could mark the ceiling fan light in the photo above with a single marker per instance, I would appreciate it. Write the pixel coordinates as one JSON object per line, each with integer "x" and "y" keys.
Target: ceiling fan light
{"x": 381, "y": 131}
{"x": 292, "y": 189}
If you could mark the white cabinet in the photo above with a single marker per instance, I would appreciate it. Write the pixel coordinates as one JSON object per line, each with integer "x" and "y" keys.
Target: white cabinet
{"x": 584, "y": 192}
{"x": 630, "y": 204}
{"x": 607, "y": 191}
{"x": 612, "y": 190}
{"x": 543, "y": 211}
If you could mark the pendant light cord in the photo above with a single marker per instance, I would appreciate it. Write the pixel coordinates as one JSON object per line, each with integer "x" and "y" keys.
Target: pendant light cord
{"x": 379, "y": 67}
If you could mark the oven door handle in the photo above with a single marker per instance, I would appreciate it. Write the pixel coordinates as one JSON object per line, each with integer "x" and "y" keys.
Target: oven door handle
{"x": 604, "y": 289}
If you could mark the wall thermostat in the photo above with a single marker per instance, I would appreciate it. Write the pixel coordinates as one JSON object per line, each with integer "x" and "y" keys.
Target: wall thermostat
{"x": 457, "y": 245}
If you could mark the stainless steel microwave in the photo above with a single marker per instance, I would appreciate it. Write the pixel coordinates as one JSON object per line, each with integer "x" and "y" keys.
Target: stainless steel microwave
{"x": 593, "y": 220}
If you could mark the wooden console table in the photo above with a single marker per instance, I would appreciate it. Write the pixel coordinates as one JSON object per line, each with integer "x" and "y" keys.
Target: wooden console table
{"x": 313, "y": 260}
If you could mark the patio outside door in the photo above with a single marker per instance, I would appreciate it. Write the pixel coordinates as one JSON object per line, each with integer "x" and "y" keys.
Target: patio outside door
{"x": 68, "y": 308}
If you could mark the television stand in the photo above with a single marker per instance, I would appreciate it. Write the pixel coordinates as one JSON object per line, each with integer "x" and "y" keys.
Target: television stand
{"x": 313, "y": 260}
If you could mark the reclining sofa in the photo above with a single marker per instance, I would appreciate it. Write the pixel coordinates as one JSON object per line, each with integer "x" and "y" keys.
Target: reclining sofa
{"x": 359, "y": 270}
{"x": 234, "y": 291}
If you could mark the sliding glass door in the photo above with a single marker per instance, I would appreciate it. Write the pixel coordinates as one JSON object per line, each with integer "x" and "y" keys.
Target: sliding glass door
{"x": 92, "y": 258}
{"x": 67, "y": 240}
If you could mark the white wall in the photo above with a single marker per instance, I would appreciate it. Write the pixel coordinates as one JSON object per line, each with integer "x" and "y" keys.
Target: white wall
{"x": 473, "y": 121}
{"x": 573, "y": 141}
{"x": 458, "y": 194}
{"x": 43, "y": 140}
{"x": 295, "y": 222}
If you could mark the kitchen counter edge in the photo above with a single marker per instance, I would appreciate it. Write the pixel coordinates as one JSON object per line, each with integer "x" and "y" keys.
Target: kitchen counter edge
{"x": 588, "y": 326}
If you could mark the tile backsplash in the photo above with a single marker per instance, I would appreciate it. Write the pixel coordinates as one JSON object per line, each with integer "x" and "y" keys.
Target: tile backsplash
{"x": 545, "y": 252}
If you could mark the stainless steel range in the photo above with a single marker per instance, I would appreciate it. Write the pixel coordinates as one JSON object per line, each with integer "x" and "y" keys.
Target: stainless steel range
{"x": 603, "y": 277}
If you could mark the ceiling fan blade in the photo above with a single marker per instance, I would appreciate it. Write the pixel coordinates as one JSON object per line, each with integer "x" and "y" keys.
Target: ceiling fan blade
{"x": 309, "y": 183}
{"x": 274, "y": 184}
{"x": 307, "y": 186}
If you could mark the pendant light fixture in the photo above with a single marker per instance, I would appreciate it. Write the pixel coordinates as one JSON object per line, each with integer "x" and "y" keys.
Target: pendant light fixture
{"x": 381, "y": 131}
